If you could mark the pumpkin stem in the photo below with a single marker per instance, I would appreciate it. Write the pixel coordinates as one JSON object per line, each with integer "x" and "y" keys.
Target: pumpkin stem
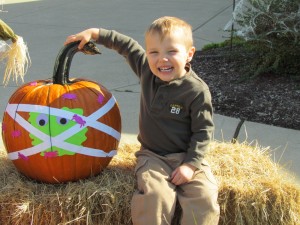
{"x": 64, "y": 59}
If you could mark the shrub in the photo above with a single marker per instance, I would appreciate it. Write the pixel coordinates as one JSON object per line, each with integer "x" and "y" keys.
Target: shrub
{"x": 273, "y": 28}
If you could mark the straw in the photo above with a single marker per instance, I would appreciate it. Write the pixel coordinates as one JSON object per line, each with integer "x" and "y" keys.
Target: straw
{"x": 253, "y": 190}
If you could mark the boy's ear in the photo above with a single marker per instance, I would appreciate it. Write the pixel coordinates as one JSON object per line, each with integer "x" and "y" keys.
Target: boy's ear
{"x": 191, "y": 53}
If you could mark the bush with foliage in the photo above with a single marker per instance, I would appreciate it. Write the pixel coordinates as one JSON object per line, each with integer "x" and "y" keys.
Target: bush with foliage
{"x": 272, "y": 27}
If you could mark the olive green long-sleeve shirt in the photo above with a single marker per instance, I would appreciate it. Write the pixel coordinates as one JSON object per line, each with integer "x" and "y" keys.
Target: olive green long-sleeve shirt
{"x": 175, "y": 116}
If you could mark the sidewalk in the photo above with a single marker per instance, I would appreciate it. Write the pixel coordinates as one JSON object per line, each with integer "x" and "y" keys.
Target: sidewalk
{"x": 45, "y": 24}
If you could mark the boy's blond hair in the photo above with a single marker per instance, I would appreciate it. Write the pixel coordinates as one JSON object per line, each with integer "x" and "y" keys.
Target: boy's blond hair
{"x": 167, "y": 24}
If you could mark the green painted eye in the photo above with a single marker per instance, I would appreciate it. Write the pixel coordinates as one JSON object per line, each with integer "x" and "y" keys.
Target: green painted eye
{"x": 42, "y": 120}
{"x": 62, "y": 120}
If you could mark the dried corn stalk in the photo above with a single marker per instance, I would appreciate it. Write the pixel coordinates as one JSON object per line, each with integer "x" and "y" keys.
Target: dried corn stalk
{"x": 15, "y": 55}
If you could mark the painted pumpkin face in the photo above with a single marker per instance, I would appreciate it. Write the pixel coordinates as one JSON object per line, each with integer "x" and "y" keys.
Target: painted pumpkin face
{"x": 63, "y": 131}
{"x": 55, "y": 133}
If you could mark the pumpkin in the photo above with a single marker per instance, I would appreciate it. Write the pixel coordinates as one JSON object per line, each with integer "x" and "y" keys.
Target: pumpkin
{"x": 62, "y": 129}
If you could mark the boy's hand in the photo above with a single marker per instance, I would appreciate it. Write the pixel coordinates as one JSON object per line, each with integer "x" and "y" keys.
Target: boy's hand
{"x": 84, "y": 37}
{"x": 183, "y": 174}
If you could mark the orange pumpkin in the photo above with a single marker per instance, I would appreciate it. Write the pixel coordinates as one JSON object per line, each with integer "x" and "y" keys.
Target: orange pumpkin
{"x": 62, "y": 129}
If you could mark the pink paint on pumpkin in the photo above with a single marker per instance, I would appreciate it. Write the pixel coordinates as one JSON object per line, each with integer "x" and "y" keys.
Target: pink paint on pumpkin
{"x": 4, "y": 127}
{"x": 16, "y": 133}
{"x": 34, "y": 83}
{"x": 69, "y": 96}
{"x": 22, "y": 156}
{"x": 51, "y": 154}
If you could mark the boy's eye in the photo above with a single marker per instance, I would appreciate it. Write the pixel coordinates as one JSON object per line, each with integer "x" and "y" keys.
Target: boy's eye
{"x": 153, "y": 52}
{"x": 173, "y": 51}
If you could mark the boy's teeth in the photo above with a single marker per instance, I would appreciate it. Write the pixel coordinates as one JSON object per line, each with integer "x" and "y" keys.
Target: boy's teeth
{"x": 165, "y": 69}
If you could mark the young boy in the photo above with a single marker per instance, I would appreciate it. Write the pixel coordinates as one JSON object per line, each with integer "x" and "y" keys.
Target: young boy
{"x": 175, "y": 124}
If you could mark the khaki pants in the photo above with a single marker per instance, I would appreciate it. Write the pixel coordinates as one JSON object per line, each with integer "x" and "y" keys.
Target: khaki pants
{"x": 155, "y": 199}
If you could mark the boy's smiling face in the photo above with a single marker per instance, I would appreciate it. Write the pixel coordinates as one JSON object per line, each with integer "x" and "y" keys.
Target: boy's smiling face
{"x": 168, "y": 56}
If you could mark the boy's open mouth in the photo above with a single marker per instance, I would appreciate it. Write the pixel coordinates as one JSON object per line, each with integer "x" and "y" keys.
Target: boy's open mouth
{"x": 165, "y": 69}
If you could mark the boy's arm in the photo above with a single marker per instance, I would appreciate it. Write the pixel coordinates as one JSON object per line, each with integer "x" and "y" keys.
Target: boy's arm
{"x": 125, "y": 46}
{"x": 202, "y": 128}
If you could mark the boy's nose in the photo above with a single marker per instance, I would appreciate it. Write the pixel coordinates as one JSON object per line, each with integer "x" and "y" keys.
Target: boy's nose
{"x": 164, "y": 58}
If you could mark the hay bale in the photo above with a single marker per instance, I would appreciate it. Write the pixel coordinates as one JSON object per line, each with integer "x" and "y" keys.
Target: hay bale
{"x": 100, "y": 200}
{"x": 253, "y": 190}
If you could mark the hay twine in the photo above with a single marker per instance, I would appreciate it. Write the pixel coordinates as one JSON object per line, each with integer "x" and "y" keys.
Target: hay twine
{"x": 253, "y": 190}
